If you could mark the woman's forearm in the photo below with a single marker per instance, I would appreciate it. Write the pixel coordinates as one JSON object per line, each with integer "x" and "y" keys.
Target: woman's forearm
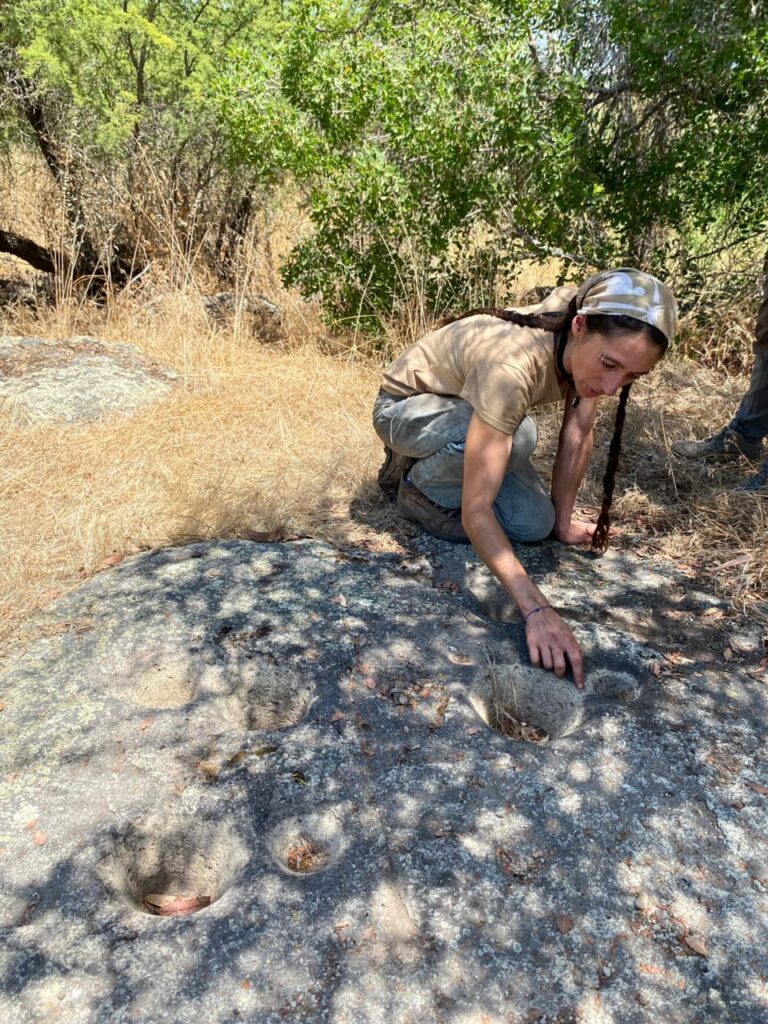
{"x": 550, "y": 641}
{"x": 492, "y": 546}
{"x": 571, "y": 461}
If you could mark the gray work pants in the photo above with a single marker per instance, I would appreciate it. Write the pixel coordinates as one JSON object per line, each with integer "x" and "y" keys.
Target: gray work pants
{"x": 751, "y": 419}
{"x": 433, "y": 430}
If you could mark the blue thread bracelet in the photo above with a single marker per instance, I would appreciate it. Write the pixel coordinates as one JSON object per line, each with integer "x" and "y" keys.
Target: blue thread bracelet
{"x": 533, "y": 610}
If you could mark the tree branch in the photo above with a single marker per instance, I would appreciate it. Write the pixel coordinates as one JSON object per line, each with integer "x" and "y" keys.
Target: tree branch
{"x": 35, "y": 255}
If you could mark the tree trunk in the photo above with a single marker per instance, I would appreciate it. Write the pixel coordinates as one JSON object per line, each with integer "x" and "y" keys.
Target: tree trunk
{"x": 116, "y": 267}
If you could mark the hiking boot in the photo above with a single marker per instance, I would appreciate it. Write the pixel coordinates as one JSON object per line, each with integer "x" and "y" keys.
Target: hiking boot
{"x": 395, "y": 467}
{"x": 758, "y": 482}
{"x": 444, "y": 523}
{"x": 728, "y": 444}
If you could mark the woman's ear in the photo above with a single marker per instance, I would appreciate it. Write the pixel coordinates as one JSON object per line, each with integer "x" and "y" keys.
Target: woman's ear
{"x": 579, "y": 325}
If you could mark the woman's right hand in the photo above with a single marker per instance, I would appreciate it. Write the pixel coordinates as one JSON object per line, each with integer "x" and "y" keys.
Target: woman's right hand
{"x": 552, "y": 645}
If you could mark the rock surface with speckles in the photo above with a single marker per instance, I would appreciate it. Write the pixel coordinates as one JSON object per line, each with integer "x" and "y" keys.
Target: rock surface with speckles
{"x": 76, "y": 379}
{"x": 300, "y": 736}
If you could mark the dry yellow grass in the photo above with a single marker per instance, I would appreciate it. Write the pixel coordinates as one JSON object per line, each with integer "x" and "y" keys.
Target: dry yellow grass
{"x": 254, "y": 440}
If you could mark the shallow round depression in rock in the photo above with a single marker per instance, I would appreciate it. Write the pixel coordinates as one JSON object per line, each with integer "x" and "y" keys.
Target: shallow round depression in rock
{"x": 165, "y": 683}
{"x": 268, "y": 697}
{"x": 171, "y": 871}
{"x": 307, "y": 844}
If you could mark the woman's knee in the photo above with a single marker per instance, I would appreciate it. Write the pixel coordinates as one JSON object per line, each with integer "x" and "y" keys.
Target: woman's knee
{"x": 531, "y": 522}
{"x": 525, "y": 441}
{"x": 421, "y": 425}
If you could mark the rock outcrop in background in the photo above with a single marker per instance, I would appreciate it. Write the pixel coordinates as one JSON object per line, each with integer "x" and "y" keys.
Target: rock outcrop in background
{"x": 75, "y": 379}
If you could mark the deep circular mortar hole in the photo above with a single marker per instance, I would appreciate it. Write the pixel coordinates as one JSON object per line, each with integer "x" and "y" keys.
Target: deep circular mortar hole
{"x": 169, "y": 871}
{"x": 308, "y": 844}
{"x": 527, "y": 704}
{"x": 532, "y": 705}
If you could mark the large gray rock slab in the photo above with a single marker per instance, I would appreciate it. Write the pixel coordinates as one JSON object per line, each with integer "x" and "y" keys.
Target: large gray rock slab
{"x": 76, "y": 379}
{"x": 300, "y": 735}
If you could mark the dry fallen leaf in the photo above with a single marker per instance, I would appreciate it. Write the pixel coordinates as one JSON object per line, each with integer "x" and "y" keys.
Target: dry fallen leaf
{"x": 713, "y": 613}
{"x": 114, "y": 559}
{"x": 758, "y": 788}
{"x": 458, "y": 658}
{"x": 337, "y": 716}
{"x": 145, "y": 724}
{"x": 698, "y": 945}
{"x": 165, "y": 905}
{"x": 676, "y": 658}
{"x": 340, "y": 600}
{"x": 564, "y": 923}
{"x": 655, "y": 668}
{"x": 728, "y": 654}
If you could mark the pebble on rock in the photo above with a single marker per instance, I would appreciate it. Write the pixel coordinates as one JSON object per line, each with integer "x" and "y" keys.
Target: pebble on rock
{"x": 564, "y": 923}
{"x": 643, "y": 901}
{"x": 697, "y": 944}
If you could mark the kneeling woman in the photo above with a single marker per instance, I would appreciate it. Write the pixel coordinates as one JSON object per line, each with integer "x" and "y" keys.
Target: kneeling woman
{"x": 452, "y": 413}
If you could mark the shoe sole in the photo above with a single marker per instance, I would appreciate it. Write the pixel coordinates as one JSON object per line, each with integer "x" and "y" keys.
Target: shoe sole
{"x": 432, "y": 533}
{"x": 389, "y": 478}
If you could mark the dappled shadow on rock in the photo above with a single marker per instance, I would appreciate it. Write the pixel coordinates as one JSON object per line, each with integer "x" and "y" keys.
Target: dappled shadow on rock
{"x": 285, "y": 747}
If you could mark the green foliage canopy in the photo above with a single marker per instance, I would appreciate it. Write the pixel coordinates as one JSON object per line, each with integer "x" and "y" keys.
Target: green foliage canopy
{"x": 440, "y": 143}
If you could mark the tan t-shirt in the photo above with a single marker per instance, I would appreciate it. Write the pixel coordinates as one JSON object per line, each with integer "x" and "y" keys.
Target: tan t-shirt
{"x": 501, "y": 369}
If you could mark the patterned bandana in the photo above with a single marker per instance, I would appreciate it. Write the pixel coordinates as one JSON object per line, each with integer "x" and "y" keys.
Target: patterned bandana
{"x": 628, "y": 292}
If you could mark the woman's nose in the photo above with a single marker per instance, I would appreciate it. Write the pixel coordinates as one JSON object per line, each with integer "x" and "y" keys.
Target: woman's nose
{"x": 612, "y": 382}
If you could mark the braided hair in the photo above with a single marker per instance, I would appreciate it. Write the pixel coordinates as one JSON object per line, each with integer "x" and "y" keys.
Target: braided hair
{"x": 610, "y": 326}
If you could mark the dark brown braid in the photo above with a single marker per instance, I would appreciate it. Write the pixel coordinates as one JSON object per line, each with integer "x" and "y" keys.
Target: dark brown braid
{"x": 600, "y": 536}
{"x": 554, "y": 320}
{"x": 609, "y": 326}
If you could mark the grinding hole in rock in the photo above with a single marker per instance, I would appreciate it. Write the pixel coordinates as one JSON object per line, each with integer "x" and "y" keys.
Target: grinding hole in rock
{"x": 172, "y": 871}
{"x": 533, "y": 705}
{"x": 164, "y": 683}
{"x": 267, "y": 697}
{"x": 307, "y": 844}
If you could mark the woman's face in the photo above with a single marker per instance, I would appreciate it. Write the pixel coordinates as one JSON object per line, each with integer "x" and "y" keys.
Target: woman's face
{"x": 602, "y": 366}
